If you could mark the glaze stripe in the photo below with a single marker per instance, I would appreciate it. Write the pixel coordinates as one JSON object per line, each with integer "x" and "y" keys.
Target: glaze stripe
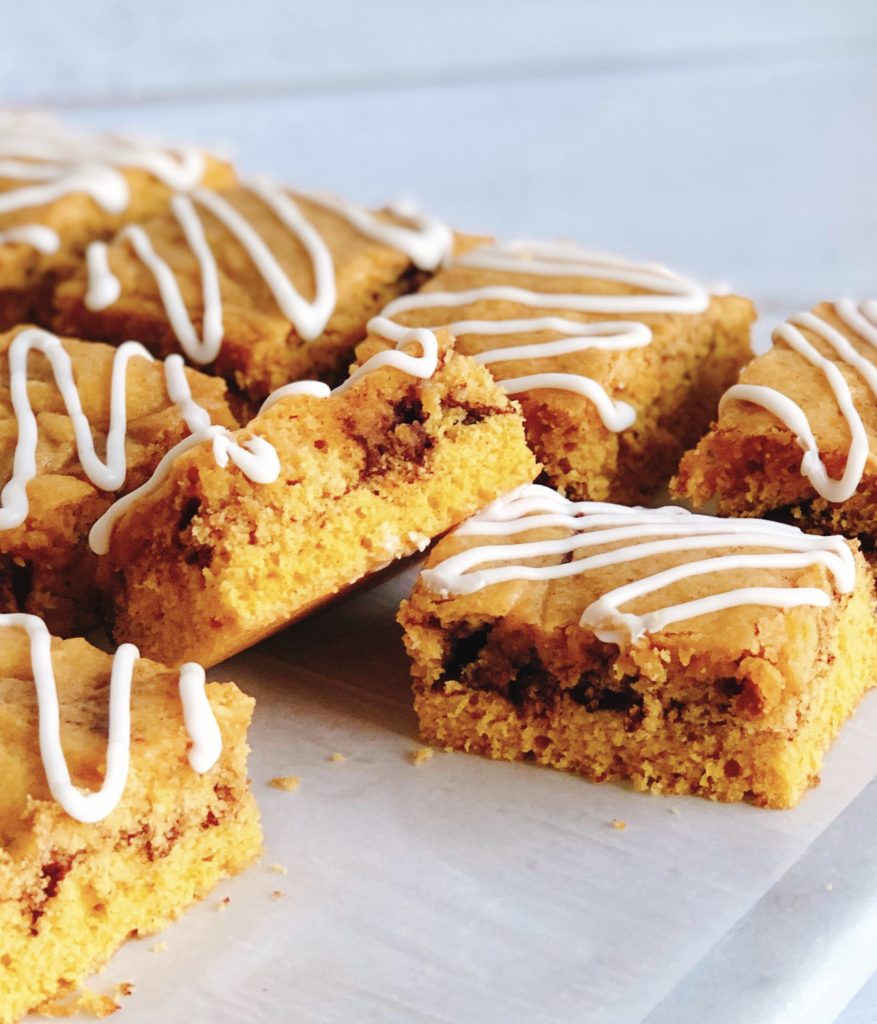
{"x": 108, "y": 475}
{"x": 90, "y": 807}
{"x": 862, "y": 323}
{"x": 426, "y": 242}
{"x": 255, "y": 457}
{"x": 54, "y": 160}
{"x": 670, "y": 293}
{"x": 641, "y": 535}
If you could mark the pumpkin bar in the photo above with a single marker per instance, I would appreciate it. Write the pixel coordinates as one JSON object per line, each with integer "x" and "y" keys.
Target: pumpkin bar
{"x": 61, "y": 187}
{"x": 618, "y": 366}
{"x": 74, "y": 888}
{"x": 86, "y": 445}
{"x": 408, "y": 447}
{"x": 262, "y": 284}
{"x": 685, "y": 653}
{"x": 796, "y": 438}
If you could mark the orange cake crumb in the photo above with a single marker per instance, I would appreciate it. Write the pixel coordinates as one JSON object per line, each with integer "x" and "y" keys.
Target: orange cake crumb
{"x": 289, "y": 783}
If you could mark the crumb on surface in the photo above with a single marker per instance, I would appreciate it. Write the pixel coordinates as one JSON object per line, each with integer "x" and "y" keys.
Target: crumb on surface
{"x": 289, "y": 783}
{"x": 125, "y": 988}
{"x": 421, "y": 754}
{"x": 85, "y": 1002}
{"x": 829, "y": 886}
{"x": 278, "y": 869}
{"x": 337, "y": 758}
{"x": 223, "y": 903}
{"x": 278, "y": 894}
{"x": 160, "y": 947}
{"x": 675, "y": 811}
{"x": 619, "y": 823}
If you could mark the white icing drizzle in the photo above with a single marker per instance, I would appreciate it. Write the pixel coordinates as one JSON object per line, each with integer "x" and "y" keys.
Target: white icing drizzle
{"x": 104, "y": 288}
{"x": 43, "y": 239}
{"x": 643, "y": 534}
{"x": 862, "y": 322}
{"x": 55, "y": 160}
{"x": 309, "y": 318}
{"x": 108, "y": 475}
{"x": 256, "y": 458}
{"x": 91, "y": 807}
{"x": 195, "y": 416}
{"x": 201, "y": 724}
{"x": 421, "y": 367}
{"x": 426, "y": 242}
{"x": 669, "y": 293}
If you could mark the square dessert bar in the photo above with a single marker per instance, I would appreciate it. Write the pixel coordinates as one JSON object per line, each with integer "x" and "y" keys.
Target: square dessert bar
{"x": 685, "y": 653}
{"x": 99, "y": 843}
{"x": 265, "y": 285}
{"x": 796, "y": 438}
{"x": 338, "y": 485}
{"x": 61, "y": 187}
{"x": 618, "y": 366}
{"x": 80, "y": 423}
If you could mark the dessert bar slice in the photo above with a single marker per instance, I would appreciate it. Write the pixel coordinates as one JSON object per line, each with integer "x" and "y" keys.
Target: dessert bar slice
{"x": 685, "y": 653}
{"x": 796, "y": 438}
{"x": 80, "y": 423}
{"x": 101, "y": 842}
{"x": 263, "y": 284}
{"x": 618, "y": 366}
{"x": 61, "y": 187}
{"x": 413, "y": 443}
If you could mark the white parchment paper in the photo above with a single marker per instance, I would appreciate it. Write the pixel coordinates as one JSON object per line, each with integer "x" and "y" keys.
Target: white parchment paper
{"x": 461, "y": 890}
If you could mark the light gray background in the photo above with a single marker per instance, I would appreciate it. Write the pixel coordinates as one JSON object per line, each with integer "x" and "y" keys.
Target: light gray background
{"x": 735, "y": 141}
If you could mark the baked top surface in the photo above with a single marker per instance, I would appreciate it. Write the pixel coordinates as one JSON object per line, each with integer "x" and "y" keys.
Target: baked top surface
{"x": 265, "y": 284}
{"x": 61, "y": 186}
{"x": 62, "y": 499}
{"x": 813, "y": 395}
{"x": 788, "y": 371}
{"x": 617, "y": 365}
{"x": 329, "y": 256}
{"x": 160, "y": 777}
{"x": 561, "y": 605}
{"x": 616, "y": 357}
{"x": 247, "y": 299}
